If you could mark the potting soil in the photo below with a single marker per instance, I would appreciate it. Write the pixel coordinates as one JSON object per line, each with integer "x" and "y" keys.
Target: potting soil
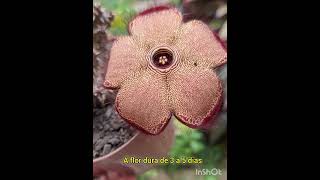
{"x": 109, "y": 131}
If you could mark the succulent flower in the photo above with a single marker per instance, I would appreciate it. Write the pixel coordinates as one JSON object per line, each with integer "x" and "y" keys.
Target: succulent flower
{"x": 165, "y": 68}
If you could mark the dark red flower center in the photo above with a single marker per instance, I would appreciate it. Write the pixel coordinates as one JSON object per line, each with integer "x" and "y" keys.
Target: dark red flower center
{"x": 162, "y": 58}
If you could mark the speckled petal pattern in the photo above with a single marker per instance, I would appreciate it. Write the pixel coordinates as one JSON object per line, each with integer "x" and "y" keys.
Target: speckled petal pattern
{"x": 198, "y": 45}
{"x": 196, "y": 93}
{"x": 156, "y": 28}
{"x": 125, "y": 59}
{"x": 143, "y": 102}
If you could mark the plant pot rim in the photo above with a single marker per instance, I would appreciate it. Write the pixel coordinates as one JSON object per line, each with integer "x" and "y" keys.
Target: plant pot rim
{"x": 141, "y": 145}
{"x": 118, "y": 149}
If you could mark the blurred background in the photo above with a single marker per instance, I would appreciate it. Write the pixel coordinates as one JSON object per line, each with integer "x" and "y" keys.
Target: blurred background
{"x": 211, "y": 146}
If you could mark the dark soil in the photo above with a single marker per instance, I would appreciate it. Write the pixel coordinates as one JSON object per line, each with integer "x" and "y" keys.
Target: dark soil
{"x": 109, "y": 131}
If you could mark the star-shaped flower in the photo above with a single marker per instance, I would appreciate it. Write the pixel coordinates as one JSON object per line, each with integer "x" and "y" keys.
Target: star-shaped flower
{"x": 166, "y": 67}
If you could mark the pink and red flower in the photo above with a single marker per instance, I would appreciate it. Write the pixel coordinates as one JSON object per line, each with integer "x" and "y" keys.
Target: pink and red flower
{"x": 165, "y": 68}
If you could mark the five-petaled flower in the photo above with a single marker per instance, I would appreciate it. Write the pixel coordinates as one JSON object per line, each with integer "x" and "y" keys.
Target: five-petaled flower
{"x": 165, "y": 68}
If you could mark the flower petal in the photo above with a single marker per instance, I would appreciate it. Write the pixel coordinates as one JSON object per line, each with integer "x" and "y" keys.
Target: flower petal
{"x": 196, "y": 95}
{"x": 157, "y": 27}
{"x": 198, "y": 45}
{"x": 143, "y": 102}
{"x": 125, "y": 60}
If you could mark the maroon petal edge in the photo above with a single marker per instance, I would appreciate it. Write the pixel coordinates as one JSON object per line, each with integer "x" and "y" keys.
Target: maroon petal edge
{"x": 108, "y": 85}
{"x": 149, "y": 11}
{"x": 135, "y": 125}
{"x": 220, "y": 40}
{"x": 209, "y": 120}
{"x": 154, "y": 9}
{"x": 222, "y": 43}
